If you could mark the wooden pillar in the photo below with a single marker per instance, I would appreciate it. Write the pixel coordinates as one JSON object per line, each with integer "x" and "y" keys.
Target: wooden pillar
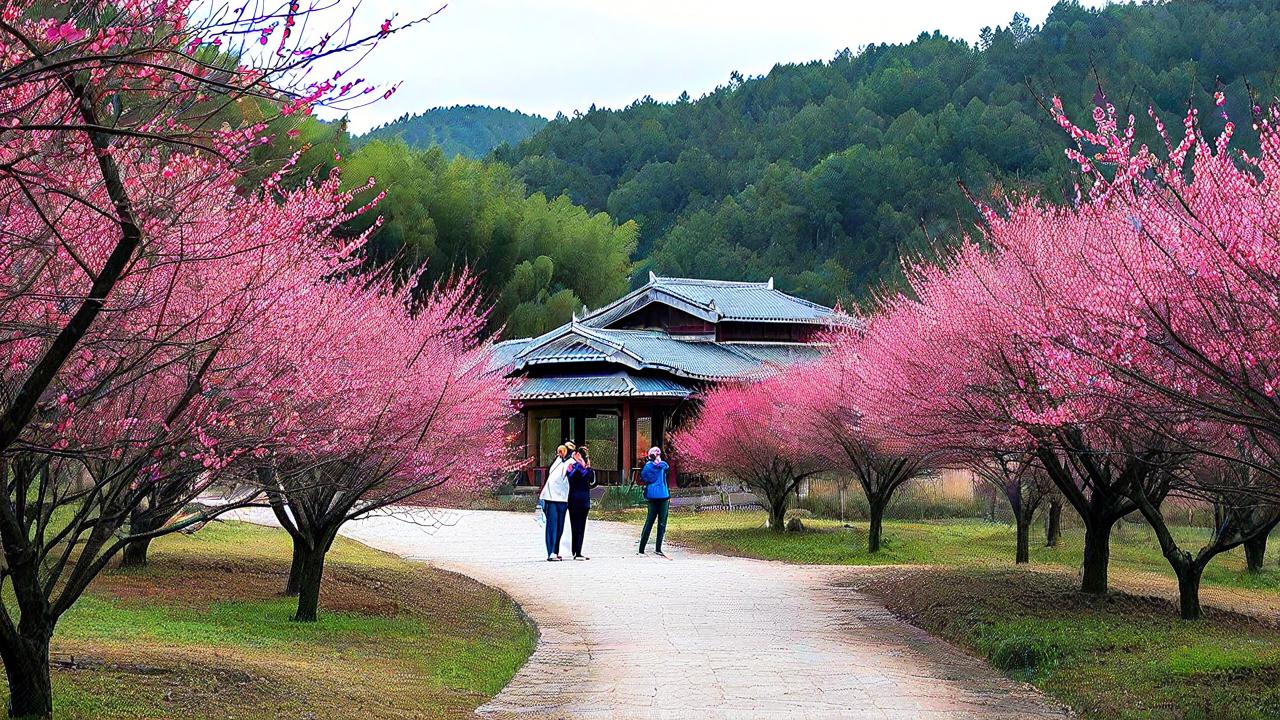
{"x": 673, "y": 458}
{"x": 530, "y": 443}
{"x": 626, "y": 428}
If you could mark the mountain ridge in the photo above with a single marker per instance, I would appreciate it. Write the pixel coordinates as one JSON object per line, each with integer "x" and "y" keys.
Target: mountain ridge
{"x": 470, "y": 130}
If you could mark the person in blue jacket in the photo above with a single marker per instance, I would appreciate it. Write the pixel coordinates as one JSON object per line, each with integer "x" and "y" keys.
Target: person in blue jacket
{"x": 581, "y": 479}
{"x": 654, "y": 478}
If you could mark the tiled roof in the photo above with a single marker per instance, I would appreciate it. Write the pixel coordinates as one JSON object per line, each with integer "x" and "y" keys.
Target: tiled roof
{"x": 713, "y": 301}
{"x": 778, "y": 353}
{"x": 656, "y": 350}
{"x": 504, "y": 353}
{"x": 619, "y": 384}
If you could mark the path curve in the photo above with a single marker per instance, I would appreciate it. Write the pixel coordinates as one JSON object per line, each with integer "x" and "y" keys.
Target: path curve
{"x": 699, "y": 636}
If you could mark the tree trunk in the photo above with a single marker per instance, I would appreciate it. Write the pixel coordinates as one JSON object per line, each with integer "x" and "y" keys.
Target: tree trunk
{"x": 1023, "y": 553}
{"x": 134, "y": 554}
{"x": 26, "y": 665}
{"x": 140, "y": 522}
{"x": 1023, "y": 513}
{"x": 1097, "y": 554}
{"x": 1189, "y": 590}
{"x": 1254, "y": 552}
{"x": 875, "y": 530}
{"x": 311, "y": 574}
{"x": 1053, "y": 523}
{"x": 294, "y": 583}
{"x": 777, "y": 516}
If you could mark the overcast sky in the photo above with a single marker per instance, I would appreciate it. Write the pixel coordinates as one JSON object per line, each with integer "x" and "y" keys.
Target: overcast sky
{"x": 549, "y": 56}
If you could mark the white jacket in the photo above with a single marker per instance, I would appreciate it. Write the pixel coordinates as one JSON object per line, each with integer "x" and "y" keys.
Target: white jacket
{"x": 556, "y": 489}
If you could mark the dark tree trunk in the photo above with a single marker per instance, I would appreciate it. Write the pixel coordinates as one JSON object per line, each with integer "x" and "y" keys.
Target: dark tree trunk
{"x": 26, "y": 665}
{"x": 309, "y": 587}
{"x": 310, "y": 576}
{"x": 1023, "y": 553}
{"x": 1024, "y": 511}
{"x": 147, "y": 518}
{"x": 1097, "y": 554}
{"x": 876, "y": 527}
{"x": 294, "y": 583}
{"x": 135, "y": 553}
{"x": 777, "y": 516}
{"x": 1255, "y": 551}
{"x": 1099, "y": 509}
{"x": 1189, "y": 590}
{"x": 1053, "y": 523}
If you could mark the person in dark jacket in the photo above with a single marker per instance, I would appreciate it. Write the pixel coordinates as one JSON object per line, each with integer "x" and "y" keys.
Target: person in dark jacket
{"x": 581, "y": 479}
{"x": 654, "y": 478}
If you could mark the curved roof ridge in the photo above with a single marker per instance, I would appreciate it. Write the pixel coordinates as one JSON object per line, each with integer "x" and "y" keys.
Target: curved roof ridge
{"x": 655, "y": 279}
{"x": 591, "y": 335}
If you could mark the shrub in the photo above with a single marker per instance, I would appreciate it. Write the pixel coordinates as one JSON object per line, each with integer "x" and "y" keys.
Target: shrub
{"x": 621, "y": 497}
{"x": 1023, "y": 654}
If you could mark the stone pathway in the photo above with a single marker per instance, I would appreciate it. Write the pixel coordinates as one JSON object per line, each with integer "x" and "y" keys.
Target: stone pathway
{"x": 698, "y": 636}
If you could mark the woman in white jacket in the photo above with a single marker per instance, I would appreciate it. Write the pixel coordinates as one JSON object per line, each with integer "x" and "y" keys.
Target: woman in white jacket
{"x": 555, "y": 499}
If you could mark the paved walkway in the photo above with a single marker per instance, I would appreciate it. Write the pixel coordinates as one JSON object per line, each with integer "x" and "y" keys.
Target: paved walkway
{"x": 698, "y": 636}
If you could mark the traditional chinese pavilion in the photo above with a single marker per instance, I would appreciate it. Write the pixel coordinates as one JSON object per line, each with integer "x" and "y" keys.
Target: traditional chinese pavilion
{"x": 621, "y": 377}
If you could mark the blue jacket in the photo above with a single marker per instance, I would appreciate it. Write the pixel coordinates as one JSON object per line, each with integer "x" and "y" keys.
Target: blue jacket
{"x": 581, "y": 480}
{"x": 654, "y": 479}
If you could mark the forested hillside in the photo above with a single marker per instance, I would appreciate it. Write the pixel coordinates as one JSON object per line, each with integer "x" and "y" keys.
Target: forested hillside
{"x": 470, "y": 130}
{"x": 822, "y": 174}
{"x": 537, "y": 259}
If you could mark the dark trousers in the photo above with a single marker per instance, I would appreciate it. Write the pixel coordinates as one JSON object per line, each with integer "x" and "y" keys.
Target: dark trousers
{"x": 657, "y": 509}
{"x": 555, "y": 512}
{"x": 578, "y": 524}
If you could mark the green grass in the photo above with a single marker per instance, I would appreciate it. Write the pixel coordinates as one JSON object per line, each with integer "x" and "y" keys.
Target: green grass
{"x": 203, "y": 632}
{"x": 956, "y": 543}
{"x": 1112, "y": 658}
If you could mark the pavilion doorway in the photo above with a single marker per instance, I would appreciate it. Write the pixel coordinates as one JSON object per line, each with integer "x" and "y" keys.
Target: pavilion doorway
{"x": 619, "y": 436}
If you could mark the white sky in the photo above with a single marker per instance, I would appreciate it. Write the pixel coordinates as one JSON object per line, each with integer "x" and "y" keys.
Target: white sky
{"x": 545, "y": 56}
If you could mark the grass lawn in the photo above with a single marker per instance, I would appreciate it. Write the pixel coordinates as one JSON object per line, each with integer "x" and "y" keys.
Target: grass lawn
{"x": 1118, "y": 657}
{"x": 957, "y": 543}
{"x": 203, "y": 632}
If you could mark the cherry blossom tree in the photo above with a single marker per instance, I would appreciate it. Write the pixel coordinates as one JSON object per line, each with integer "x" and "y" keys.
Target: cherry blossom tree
{"x": 1241, "y": 514}
{"x": 1119, "y": 340}
{"x": 142, "y": 410}
{"x": 1017, "y": 477}
{"x": 754, "y": 433}
{"x": 397, "y": 404}
{"x": 1161, "y": 299}
{"x": 862, "y": 404}
{"x": 844, "y": 426}
{"x": 133, "y": 269}
{"x": 91, "y": 89}
{"x": 1177, "y": 257}
{"x": 961, "y": 365}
